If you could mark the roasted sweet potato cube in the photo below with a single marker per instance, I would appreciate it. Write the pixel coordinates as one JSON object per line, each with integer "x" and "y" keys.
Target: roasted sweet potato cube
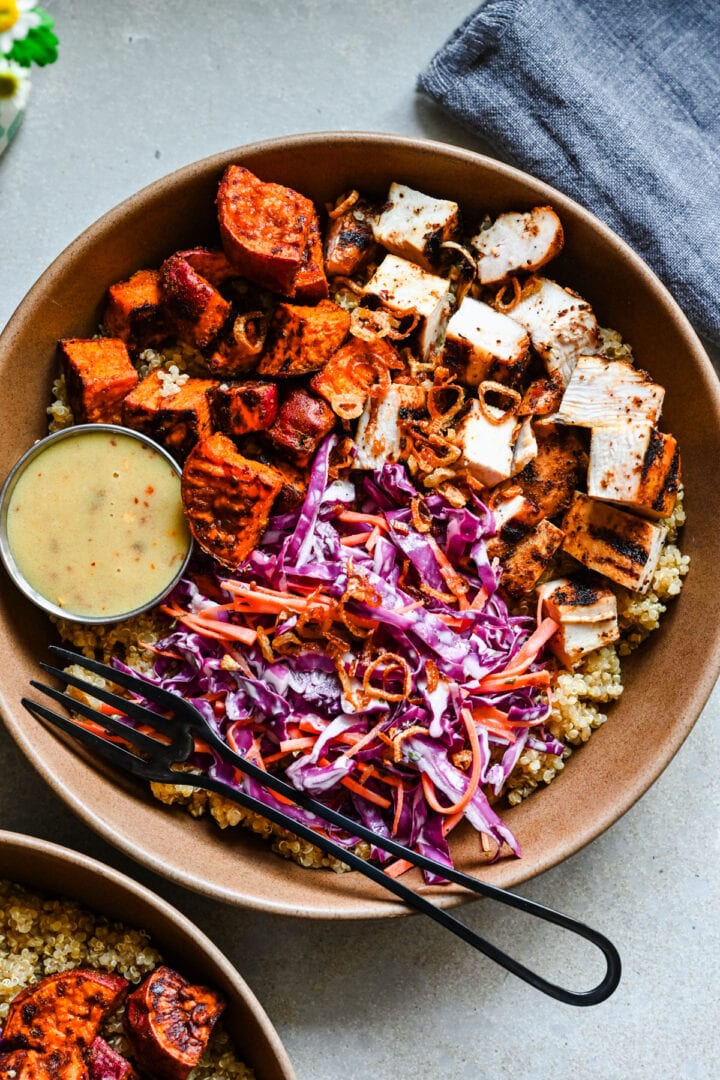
{"x": 211, "y": 264}
{"x": 240, "y": 408}
{"x": 98, "y": 375}
{"x": 301, "y": 339}
{"x": 169, "y": 1022}
{"x": 194, "y": 307}
{"x": 349, "y": 242}
{"x": 237, "y": 349}
{"x": 302, "y": 423}
{"x": 134, "y": 311}
{"x": 310, "y": 284}
{"x": 58, "y": 1064}
{"x": 104, "y": 1063}
{"x": 172, "y": 414}
{"x": 264, "y": 228}
{"x": 292, "y": 493}
{"x": 67, "y": 1007}
{"x": 227, "y": 499}
{"x": 347, "y": 377}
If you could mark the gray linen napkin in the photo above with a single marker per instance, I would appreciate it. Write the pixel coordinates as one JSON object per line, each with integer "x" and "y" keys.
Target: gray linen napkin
{"x": 617, "y": 104}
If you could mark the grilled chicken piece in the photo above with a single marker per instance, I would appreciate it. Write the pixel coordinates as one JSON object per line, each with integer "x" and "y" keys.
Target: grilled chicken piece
{"x": 379, "y": 436}
{"x": 587, "y": 615}
{"x": 193, "y": 307}
{"x": 414, "y": 225}
{"x": 301, "y": 339}
{"x": 517, "y": 243}
{"x": 549, "y": 480}
{"x": 481, "y": 343}
{"x": 405, "y": 288}
{"x": 561, "y": 324}
{"x": 349, "y": 374}
{"x": 526, "y": 447}
{"x": 608, "y": 392}
{"x": 98, "y": 376}
{"x": 303, "y": 421}
{"x": 622, "y": 546}
{"x": 514, "y": 514}
{"x": 634, "y": 464}
{"x": 264, "y": 228}
{"x": 176, "y": 416}
{"x": 528, "y": 558}
{"x": 240, "y": 408}
{"x": 134, "y": 311}
{"x": 227, "y": 499}
{"x": 487, "y": 437}
{"x": 349, "y": 243}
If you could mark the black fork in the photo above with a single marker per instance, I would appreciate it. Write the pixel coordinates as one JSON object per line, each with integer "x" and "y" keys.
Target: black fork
{"x": 174, "y": 746}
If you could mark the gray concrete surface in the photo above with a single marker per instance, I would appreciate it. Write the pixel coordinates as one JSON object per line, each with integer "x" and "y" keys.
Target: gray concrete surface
{"x": 144, "y": 87}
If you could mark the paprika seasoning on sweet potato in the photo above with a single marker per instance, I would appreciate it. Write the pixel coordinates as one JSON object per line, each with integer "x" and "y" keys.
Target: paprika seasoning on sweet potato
{"x": 169, "y": 1022}
{"x": 264, "y": 228}
{"x": 58, "y": 1064}
{"x": 62, "y": 1009}
{"x": 227, "y": 499}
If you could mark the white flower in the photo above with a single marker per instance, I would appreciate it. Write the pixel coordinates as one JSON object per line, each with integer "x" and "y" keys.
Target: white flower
{"x": 14, "y": 83}
{"x": 17, "y": 17}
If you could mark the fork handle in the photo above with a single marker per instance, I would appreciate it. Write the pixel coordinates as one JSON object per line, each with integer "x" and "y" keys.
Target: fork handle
{"x": 594, "y": 996}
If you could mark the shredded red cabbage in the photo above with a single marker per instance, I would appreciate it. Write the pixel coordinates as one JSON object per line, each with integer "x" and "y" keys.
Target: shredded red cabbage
{"x": 414, "y": 623}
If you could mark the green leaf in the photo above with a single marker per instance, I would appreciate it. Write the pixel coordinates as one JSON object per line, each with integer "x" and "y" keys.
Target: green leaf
{"x": 39, "y": 46}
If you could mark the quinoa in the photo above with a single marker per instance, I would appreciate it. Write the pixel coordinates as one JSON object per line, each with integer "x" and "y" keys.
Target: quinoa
{"x": 41, "y": 936}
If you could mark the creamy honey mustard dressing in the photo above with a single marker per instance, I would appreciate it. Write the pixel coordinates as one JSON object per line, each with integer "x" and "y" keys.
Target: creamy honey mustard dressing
{"x": 95, "y": 524}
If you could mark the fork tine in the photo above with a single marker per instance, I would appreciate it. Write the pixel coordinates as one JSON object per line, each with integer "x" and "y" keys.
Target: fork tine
{"x": 113, "y": 753}
{"x": 110, "y": 723}
{"x": 122, "y": 704}
{"x": 135, "y": 683}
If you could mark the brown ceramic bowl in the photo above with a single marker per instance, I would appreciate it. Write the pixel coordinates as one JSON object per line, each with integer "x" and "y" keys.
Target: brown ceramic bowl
{"x": 57, "y": 871}
{"x": 667, "y": 681}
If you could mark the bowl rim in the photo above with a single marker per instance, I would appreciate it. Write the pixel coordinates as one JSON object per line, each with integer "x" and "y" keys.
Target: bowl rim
{"x": 24, "y": 843}
{"x": 697, "y": 694}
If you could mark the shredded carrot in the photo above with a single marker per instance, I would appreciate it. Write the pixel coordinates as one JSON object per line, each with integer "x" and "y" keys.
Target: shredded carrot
{"x": 525, "y": 655}
{"x": 213, "y": 628}
{"x": 314, "y": 726}
{"x": 365, "y": 739}
{"x": 505, "y": 680}
{"x": 253, "y": 755}
{"x": 480, "y": 599}
{"x": 473, "y": 779}
{"x": 289, "y": 745}
{"x": 454, "y": 581}
{"x": 355, "y": 539}
{"x": 358, "y": 789}
{"x": 364, "y": 519}
{"x": 486, "y": 713}
{"x": 399, "y": 798}
{"x": 373, "y": 539}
